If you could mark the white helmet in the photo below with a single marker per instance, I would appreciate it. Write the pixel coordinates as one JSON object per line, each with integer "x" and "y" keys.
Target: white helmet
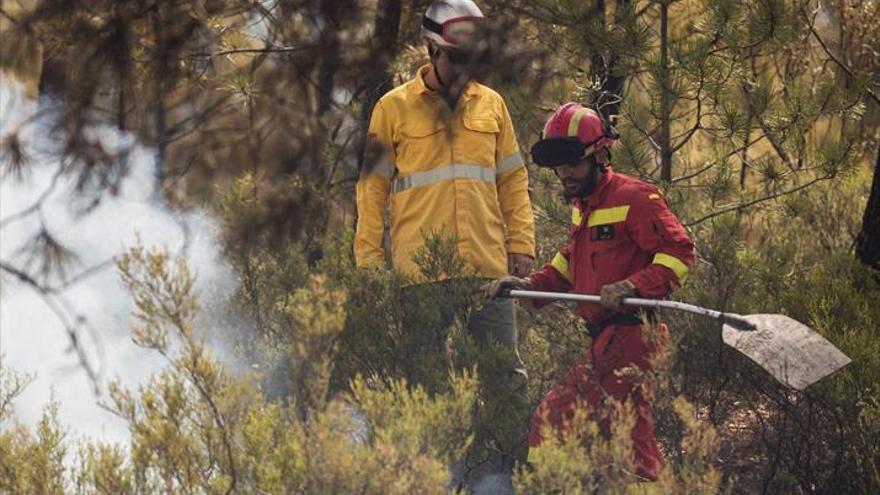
{"x": 452, "y": 23}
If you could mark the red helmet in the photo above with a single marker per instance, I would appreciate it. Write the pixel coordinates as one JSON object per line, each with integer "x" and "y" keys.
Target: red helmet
{"x": 572, "y": 133}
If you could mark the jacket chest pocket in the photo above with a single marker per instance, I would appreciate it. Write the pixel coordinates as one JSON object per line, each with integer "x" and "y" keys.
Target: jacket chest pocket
{"x": 605, "y": 233}
{"x": 421, "y": 146}
{"x": 604, "y": 242}
{"x": 478, "y": 140}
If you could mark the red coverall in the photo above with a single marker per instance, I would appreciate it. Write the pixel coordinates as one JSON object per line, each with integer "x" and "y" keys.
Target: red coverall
{"x": 624, "y": 230}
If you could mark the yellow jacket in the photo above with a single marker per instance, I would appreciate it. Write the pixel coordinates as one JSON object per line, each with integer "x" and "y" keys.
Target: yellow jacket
{"x": 456, "y": 173}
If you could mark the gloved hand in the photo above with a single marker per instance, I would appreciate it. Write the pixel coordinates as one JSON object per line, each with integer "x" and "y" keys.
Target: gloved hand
{"x": 611, "y": 294}
{"x": 502, "y": 286}
{"x": 519, "y": 265}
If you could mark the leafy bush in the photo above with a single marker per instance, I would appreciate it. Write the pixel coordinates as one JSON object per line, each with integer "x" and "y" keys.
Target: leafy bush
{"x": 196, "y": 429}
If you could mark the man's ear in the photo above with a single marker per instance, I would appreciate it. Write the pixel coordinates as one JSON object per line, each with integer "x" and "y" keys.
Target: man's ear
{"x": 432, "y": 51}
{"x": 603, "y": 156}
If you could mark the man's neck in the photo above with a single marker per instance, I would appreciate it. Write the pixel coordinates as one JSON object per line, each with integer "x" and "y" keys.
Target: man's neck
{"x": 600, "y": 179}
{"x": 597, "y": 183}
{"x": 434, "y": 85}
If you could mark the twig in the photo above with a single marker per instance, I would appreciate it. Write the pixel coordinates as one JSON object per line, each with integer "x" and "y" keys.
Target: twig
{"x": 70, "y": 327}
{"x": 833, "y": 57}
{"x": 747, "y": 204}
{"x": 9, "y": 17}
{"x": 81, "y": 276}
{"x": 268, "y": 49}
{"x": 694, "y": 174}
{"x": 36, "y": 205}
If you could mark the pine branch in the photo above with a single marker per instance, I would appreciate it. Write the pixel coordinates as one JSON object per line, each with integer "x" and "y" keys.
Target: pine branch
{"x": 179, "y": 129}
{"x": 774, "y": 140}
{"x": 64, "y": 317}
{"x": 264, "y": 50}
{"x": 81, "y": 276}
{"x": 694, "y": 174}
{"x": 747, "y": 204}
{"x": 9, "y": 17}
{"x": 36, "y": 205}
{"x": 833, "y": 57}
{"x": 698, "y": 124}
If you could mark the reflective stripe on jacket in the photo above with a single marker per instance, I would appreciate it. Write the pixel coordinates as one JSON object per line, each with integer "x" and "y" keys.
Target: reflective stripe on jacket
{"x": 459, "y": 174}
{"x": 624, "y": 230}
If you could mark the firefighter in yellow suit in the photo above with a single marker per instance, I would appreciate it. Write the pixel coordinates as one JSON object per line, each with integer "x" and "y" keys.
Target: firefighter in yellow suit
{"x": 452, "y": 166}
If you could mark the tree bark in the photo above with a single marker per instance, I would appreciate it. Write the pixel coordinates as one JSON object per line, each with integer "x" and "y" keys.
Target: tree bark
{"x": 384, "y": 49}
{"x": 868, "y": 241}
{"x": 159, "y": 121}
{"x": 387, "y": 30}
{"x": 665, "y": 97}
{"x": 604, "y": 65}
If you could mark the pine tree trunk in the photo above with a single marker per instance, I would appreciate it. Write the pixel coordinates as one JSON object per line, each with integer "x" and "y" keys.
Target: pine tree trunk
{"x": 331, "y": 58}
{"x": 868, "y": 241}
{"x": 378, "y": 77}
{"x": 604, "y": 65}
{"x": 665, "y": 97}
{"x": 159, "y": 121}
{"x": 387, "y": 29}
{"x": 161, "y": 143}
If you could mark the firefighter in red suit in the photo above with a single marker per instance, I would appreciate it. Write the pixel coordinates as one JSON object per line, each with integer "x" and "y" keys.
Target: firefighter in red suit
{"x": 625, "y": 242}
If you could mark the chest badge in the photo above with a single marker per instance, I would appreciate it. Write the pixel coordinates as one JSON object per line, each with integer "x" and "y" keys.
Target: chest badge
{"x": 603, "y": 232}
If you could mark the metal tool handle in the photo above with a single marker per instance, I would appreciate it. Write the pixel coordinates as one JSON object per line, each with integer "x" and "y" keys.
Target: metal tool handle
{"x": 731, "y": 319}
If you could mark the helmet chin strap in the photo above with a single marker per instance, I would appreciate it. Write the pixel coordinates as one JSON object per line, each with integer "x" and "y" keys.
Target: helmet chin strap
{"x": 432, "y": 54}
{"x": 437, "y": 75}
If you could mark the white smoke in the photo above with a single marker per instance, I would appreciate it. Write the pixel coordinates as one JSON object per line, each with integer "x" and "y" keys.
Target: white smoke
{"x": 32, "y": 338}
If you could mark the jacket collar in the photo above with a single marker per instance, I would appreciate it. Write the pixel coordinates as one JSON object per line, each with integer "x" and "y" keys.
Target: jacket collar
{"x": 598, "y": 196}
